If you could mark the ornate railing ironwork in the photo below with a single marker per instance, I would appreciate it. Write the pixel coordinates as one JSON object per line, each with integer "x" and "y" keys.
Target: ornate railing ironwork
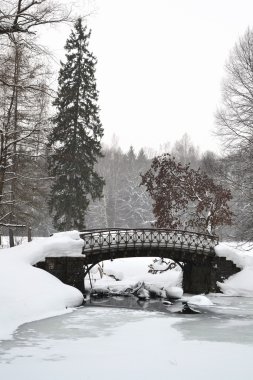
{"x": 119, "y": 238}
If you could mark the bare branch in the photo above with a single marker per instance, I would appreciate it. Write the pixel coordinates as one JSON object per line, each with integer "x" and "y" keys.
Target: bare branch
{"x": 24, "y": 16}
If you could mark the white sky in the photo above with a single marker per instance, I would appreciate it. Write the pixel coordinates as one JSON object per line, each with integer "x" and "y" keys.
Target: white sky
{"x": 160, "y": 65}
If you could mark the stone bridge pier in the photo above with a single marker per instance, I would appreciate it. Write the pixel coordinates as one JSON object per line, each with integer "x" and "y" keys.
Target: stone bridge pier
{"x": 201, "y": 276}
{"x": 70, "y": 270}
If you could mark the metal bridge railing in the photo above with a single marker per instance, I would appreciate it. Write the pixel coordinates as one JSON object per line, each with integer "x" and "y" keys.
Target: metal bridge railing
{"x": 118, "y": 239}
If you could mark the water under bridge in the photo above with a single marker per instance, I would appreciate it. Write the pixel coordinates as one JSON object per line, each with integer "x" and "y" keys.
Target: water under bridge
{"x": 194, "y": 252}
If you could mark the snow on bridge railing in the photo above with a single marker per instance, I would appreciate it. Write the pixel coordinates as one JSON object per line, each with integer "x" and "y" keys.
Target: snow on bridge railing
{"x": 122, "y": 238}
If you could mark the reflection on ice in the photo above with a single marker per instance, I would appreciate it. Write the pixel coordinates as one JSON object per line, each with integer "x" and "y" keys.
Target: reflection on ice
{"x": 228, "y": 306}
{"x": 81, "y": 324}
{"x": 216, "y": 323}
{"x": 216, "y": 329}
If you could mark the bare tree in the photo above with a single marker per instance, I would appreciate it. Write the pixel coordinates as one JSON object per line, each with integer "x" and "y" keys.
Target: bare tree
{"x": 185, "y": 152}
{"x": 24, "y": 99}
{"x": 24, "y": 16}
{"x": 235, "y": 117}
{"x": 125, "y": 203}
{"x": 23, "y": 115}
{"x": 235, "y": 127}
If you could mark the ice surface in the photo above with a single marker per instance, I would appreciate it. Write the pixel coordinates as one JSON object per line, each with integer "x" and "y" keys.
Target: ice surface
{"x": 112, "y": 344}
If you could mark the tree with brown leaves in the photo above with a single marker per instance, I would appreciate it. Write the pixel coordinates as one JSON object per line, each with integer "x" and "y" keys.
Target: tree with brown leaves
{"x": 184, "y": 198}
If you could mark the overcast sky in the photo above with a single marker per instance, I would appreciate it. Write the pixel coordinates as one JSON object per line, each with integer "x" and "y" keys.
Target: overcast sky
{"x": 160, "y": 65}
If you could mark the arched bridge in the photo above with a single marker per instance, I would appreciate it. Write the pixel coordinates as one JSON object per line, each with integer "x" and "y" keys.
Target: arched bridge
{"x": 118, "y": 239}
{"x": 181, "y": 246}
{"x": 193, "y": 251}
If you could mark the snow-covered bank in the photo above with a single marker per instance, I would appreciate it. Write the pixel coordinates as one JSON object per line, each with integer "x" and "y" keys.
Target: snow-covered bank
{"x": 240, "y": 284}
{"x": 28, "y": 293}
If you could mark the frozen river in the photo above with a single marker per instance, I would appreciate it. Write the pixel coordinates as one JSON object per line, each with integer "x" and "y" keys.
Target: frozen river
{"x": 125, "y": 344}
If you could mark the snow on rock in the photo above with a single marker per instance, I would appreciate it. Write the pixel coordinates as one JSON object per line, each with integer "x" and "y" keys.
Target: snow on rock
{"x": 126, "y": 276}
{"x": 143, "y": 294}
{"x": 28, "y": 293}
{"x": 174, "y": 292}
{"x": 131, "y": 271}
{"x": 241, "y": 283}
{"x": 199, "y": 300}
{"x": 118, "y": 276}
{"x": 155, "y": 291}
{"x": 167, "y": 303}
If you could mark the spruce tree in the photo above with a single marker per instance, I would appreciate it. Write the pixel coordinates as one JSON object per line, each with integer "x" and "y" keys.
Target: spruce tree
{"x": 75, "y": 138}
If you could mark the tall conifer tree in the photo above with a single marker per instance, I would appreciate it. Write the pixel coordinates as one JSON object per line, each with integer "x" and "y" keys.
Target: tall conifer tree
{"x": 76, "y": 135}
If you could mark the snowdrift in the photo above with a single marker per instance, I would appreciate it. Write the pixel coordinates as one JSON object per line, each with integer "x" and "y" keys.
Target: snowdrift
{"x": 28, "y": 293}
{"x": 241, "y": 283}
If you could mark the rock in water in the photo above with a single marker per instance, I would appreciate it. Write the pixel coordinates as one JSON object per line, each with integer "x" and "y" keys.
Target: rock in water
{"x": 142, "y": 294}
{"x": 155, "y": 291}
{"x": 199, "y": 300}
{"x": 174, "y": 292}
{"x": 167, "y": 303}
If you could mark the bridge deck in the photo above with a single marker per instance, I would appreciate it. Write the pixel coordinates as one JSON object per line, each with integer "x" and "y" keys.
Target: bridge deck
{"x": 96, "y": 241}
